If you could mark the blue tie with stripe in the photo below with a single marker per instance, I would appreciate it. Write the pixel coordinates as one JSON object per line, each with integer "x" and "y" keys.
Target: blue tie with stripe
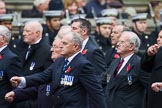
{"x": 65, "y": 64}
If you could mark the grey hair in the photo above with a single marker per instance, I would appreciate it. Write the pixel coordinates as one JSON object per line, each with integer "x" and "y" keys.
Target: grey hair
{"x": 4, "y": 31}
{"x": 63, "y": 30}
{"x": 77, "y": 39}
{"x": 134, "y": 39}
{"x": 38, "y": 2}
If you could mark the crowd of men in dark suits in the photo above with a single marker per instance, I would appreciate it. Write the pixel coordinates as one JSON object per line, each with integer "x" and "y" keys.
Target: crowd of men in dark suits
{"x": 66, "y": 66}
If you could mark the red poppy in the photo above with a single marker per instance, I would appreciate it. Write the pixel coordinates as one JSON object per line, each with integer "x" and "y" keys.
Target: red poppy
{"x": 68, "y": 70}
{"x": 128, "y": 68}
{"x": 1, "y": 56}
{"x": 84, "y": 52}
{"x": 116, "y": 56}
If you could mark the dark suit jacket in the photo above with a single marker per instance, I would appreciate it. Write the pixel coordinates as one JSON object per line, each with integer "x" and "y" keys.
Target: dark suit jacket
{"x": 10, "y": 65}
{"x": 146, "y": 41}
{"x": 74, "y": 96}
{"x": 104, "y": 43}
{"x": 109, "y": 57}
{"x": 95, "y": 56}
{"x": 48, "y": 34}
{"x": 154, "y": 65}
{"x": 37, "y": 92}
{"x": 120, "y": 94}
{"x": 39, "y": 59}
{"x": 40, "y": 56}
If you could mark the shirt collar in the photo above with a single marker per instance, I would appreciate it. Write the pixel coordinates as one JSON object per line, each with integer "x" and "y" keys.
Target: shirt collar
{"x": 84, "y": 43}
{"x": 72, "y": 57}
{"x": 128, "y": 57}
{"x": 3, "y": 48}
{"x": 38, "y": 41}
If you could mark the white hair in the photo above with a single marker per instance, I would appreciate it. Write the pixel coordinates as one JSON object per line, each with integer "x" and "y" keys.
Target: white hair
{"x": 38, "y": 2}
{"x": 134, "y": 39}
{"x": 4, "y": 31}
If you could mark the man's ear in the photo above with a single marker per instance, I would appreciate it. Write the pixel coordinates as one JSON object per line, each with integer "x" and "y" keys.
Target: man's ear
{"x": 75, "y": 46}
{"x": 84, "y": 31}
{"x": 131, "y": 46}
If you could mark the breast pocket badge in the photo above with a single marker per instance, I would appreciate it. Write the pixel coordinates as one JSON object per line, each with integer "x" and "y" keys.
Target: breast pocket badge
{"x": 1, "y": 75}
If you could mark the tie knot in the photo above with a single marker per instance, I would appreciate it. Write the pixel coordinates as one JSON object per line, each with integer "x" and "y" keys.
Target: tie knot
{"x": 122, "y": 60}
{"x": 29, "y": 48}
{"x": 66, "y": 61}
{"x": 65, "y": 64}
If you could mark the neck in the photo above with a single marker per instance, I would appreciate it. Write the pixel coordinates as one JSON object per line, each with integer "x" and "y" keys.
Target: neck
{"x": 125, "y": 55}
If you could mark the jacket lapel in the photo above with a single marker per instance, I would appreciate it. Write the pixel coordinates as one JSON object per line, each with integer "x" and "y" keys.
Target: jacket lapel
{"x": 112, "y": 79}
{"x": 124, "y": 72}
{"x": 59, "y": 72}
{"x": 2, "y": 53}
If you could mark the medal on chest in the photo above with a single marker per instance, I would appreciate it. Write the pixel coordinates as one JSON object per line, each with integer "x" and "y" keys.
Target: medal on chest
{"x": 67, "y": 80}
{"x": 32, "y": 66}
{"x": 1, "y": 75}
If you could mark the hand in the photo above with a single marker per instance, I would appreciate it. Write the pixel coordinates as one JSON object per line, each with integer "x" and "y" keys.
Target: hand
{"x": 157, "y": 86}
{"x": 9, "y": 97}
{"x": 152, "y": 50}
{"x": 15, "y": 81}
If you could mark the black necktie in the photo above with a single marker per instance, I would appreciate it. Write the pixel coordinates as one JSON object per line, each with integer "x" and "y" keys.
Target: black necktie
{"x": 118, "y": 67}
{"x": 28, "y": 52}
{"x": 65, "y": 64}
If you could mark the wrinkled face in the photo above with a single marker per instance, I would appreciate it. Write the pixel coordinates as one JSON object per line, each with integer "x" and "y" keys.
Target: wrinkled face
{"x": 8, "y": 24}
{"x": 73, "y": 8}
{"x": 55, "y": 23}
{"x": 123, "y": 45}
{"x": 2, "y": 8}
{"x": 105, "y": 30}
{"x": 30, "y": 35}
{"x": 115, "y": 35}
{"x": 159, "y": 39}
{"x": 55, "y": 49}
{"x": 141, "y": 26}
{"x": 67, "y": 46}
{"x": 2, "y": 40}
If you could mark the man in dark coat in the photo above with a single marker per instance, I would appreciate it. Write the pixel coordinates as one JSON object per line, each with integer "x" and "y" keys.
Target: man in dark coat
{"x": 43, "y": 93}
{"x": 139, "y": 26}
{"x": 9, "y": 65}
{"x": 34, "y": 53}
{"x": 111, "y": 53}
{"x": 102, "y": 33}
{"x": 152, "y": 62}
{"x": 37, "y": 11}
{"x": 126, "y": 81}
{"x": 90, "y": 48}
{"x": 73, "y": 76}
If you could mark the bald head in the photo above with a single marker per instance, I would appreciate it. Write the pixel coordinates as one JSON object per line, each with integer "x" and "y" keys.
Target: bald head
{"x": 32, "y": 32}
